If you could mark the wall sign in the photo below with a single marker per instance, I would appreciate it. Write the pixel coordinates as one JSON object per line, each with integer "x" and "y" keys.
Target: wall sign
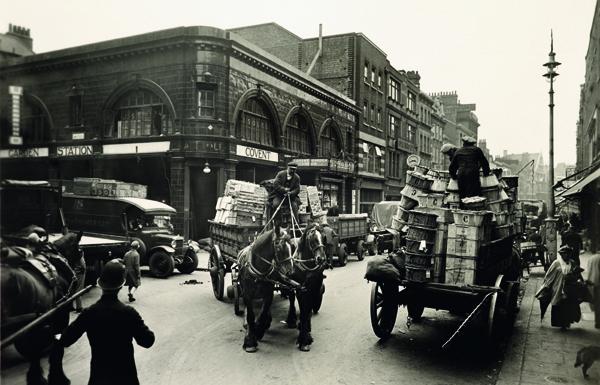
{"x": 16, "y": 92}
{"x": 35, "y": 152}
{"x": 257, "y": 153}
{"x": 74, "y": 150}
{"x": 136, "y": 148}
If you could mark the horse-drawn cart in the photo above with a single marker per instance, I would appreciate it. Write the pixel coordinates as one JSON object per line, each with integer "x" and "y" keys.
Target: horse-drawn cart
{"x": 492, "y": 299}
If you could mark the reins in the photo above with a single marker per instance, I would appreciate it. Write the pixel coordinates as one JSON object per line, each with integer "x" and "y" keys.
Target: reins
{"x": 302, "y": 262}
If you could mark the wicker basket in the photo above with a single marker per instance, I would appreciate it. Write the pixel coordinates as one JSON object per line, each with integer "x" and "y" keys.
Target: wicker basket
{"x": 431, "y": 200}
{"x": 415, "y": 273}
{"x": 408, "y": 203}
{"x": 414, "y": 246}
{"x": 418, "y": 259}
{"x": 421, "y": 233}
{"x": 420, "y": 218}
{"x": 474, "y": 203}
{"x": 472, "y": 218}
{"x": 452, "y": 185}
{"x": 419, "y": 181}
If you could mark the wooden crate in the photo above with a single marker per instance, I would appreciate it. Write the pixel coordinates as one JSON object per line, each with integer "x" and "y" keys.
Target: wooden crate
{"x": 472, "y": 218}
{"x": 460, "y": 271}
{"x": 482, "y": 233}
{"x": 422, "y": 218}
{"x": 463, "y": 247}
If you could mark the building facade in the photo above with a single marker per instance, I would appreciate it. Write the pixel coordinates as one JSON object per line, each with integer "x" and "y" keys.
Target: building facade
{"x": 182, "y": 111}
{"x": 462, "y": 118}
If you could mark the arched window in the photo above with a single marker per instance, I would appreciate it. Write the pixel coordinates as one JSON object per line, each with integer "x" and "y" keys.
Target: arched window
{"x": 34, "y": 123}
{"x": 331, "y": 143}
{"x": 373, "y": 160}
{"x": 255, "y": 123}
{"x": 140, "y": 113}
{"x": 298, "y": 135}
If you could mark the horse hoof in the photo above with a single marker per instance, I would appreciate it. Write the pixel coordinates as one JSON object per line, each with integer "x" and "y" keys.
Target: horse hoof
{"x": 304, "y": 348}
{"x": 251, "y": 349}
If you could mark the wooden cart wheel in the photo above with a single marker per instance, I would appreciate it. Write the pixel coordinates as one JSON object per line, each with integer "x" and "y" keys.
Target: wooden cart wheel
{"x": 319, "y": 300}
{"x": 383, "y": 309}
{"x": 512, "y": 299}
{"x": 217, "y": 272}
{"x": 342, "y": 254}
{"x": 360, "y": 251}
{"x": 492, "y": 319}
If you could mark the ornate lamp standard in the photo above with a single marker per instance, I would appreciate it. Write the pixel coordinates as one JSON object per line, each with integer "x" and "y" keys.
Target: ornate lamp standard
{"x": 551, "y": 221}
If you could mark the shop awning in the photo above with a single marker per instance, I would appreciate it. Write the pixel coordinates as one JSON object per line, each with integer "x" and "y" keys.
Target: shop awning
{"x": 578, "y": 187}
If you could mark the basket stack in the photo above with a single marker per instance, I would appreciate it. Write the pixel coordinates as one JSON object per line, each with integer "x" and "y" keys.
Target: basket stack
{"x": 420, "y": 242}
{"x": 243, "y": 204}
{"x": 470, "y": 231}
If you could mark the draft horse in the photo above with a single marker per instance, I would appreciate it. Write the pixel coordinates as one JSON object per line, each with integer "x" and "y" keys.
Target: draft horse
{"x": 266, "y": 261}
{"x": 32, "y": 283}
{"x": 309, "y": 262}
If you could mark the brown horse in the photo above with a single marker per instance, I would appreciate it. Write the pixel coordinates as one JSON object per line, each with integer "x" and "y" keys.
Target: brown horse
{"x": 33, "y": 280}
{"x": 266, "y": 261}
{"x": 309, "y": 262}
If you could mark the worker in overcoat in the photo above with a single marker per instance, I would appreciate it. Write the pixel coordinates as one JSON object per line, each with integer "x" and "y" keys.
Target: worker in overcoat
{"x": 465, "y": 166}
{"x": 286, "y": 184}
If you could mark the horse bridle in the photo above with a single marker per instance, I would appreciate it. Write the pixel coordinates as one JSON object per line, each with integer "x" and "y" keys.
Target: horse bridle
{"x": 273, "y": 264}
{"x": 318, "y": 264}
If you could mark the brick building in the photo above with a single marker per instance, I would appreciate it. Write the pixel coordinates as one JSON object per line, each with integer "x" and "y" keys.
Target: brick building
{"x": 354, "y": 66}
{"x": 180, "y": 110}
{"x": 462, "y": 117}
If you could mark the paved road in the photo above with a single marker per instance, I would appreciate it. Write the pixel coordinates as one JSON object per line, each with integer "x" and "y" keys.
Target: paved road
{"x": 199, "y": 340}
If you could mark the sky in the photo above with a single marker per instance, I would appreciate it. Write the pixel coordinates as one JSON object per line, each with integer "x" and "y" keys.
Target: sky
{"x": 490, "y": 52}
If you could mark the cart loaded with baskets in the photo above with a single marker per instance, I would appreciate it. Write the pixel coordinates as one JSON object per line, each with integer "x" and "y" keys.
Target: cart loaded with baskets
{"x": 240, "y": 218}
{"x": 459, "y": 256}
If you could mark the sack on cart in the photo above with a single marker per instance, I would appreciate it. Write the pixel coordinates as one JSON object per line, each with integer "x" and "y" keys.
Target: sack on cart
{"x": 381, "y": 269}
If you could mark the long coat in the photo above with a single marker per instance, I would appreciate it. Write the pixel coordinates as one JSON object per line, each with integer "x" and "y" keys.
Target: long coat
{"x": 282, "y": 182}
{"x": 110, "y": 326}
{"x": 465, "y": 167}
{"x": 132, "y": 266}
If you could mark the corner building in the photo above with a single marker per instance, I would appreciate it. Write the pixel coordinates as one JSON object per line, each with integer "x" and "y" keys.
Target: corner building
{"x": 180, "y": 110}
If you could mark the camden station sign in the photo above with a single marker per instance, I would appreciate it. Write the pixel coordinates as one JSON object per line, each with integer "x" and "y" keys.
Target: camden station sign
{"x": 334, "y": 165}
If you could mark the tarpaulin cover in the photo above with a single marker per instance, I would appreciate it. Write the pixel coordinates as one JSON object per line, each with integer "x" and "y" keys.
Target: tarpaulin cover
{"x": 383, "y": 212}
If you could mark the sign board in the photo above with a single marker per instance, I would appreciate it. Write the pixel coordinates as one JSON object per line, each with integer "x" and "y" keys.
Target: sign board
{"x": 35, "y": 152}
{"x": 257, "y": 153}
{"x": 413, "y": 160}
{"x": 337, "y": 165}
{"x": 74, "y": 150}
{"x": 136, "y": 148}
{"x": 78, "y": 135}
{"x": 16, "y": 92}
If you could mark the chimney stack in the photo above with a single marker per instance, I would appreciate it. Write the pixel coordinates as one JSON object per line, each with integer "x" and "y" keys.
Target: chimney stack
{"x": 21, "y": 33}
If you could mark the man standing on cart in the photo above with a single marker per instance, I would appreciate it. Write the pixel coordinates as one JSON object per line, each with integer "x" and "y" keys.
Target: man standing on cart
{"x": 286, "y": 184}
{"x": 465, "y": 166}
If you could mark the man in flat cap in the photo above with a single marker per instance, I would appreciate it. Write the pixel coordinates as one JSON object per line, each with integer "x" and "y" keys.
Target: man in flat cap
{"x": 465, "y": 167}
{"x": 286, "y": 184}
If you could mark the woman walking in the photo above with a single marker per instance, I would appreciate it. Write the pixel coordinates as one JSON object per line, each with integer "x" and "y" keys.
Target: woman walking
{"x": 561, "y": 290}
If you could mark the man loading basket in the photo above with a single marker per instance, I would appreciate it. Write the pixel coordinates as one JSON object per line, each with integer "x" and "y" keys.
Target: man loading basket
{"x": 465, "y": 165}
{"x": 285, "y": 185}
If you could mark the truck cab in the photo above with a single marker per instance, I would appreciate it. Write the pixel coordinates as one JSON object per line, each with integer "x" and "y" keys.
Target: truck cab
{"x": 145, "y": 220}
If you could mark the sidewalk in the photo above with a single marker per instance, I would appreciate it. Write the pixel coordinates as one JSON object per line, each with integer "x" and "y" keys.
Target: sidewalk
{"x": 540, "y": 354}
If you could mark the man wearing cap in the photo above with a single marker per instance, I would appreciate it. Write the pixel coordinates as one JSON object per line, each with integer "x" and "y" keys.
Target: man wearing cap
{"x": 286, "y": 184}
{"x": 111, "y": 326}
{"x": 465, "y": 167}
{"x": 132, "y": 266}
{"x": 449, "y": 150}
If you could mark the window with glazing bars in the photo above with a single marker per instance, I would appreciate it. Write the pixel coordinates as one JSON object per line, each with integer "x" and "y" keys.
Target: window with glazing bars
{"x": 297, "y": 135}
{"x": 254, "y": 123}
{"x": 331, "y": 144}
{"x": 206, "y": 103}
{"x": 141, "y": 113}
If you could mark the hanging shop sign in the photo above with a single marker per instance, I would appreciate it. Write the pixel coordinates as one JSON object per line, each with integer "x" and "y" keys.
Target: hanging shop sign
{"x": 16, "y": 92}
{"x": 75, "y": 150}
{"x": 336, "y": 165}
{"x": 35, "y": 152}
{"x": 413, "y": 160}
{"x": 257, "y": 153}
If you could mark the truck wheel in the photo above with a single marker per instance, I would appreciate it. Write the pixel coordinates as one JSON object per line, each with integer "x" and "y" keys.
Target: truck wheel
{"x": 189, "y": 264}
{"x": 360, "y": 250}
{"x": 342, "y": 255}
{"x": 161, "y": 264}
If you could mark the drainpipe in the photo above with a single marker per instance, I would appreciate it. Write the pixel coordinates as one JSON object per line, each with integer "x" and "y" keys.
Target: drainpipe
{"x": 319, "y": 51}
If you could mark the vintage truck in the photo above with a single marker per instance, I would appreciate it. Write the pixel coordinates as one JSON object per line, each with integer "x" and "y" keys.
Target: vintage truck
{"x": 145, "y": 220}
{"x": 25, "y": 203}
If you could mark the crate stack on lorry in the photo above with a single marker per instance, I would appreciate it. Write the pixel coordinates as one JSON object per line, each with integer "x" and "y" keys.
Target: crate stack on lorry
{"x": 243, "y": 204}
{"x": 448, "y": 241}
{"x": 104, "y": 188}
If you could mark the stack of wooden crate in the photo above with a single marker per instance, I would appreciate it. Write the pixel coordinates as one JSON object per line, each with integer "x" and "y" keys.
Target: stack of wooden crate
{"x": 470, "y": 231}
{"x": 243, "y": 204}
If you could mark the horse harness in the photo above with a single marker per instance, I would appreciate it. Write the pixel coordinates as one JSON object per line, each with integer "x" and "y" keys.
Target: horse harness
{"x": 257, "y": 274}
{"x": 302, "y": 262}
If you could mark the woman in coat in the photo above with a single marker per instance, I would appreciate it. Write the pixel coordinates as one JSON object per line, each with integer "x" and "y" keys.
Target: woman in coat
{"x": 561, "y": 290}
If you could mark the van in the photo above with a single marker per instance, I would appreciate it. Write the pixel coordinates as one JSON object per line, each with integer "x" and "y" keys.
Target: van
{"x": 145, "y": 220}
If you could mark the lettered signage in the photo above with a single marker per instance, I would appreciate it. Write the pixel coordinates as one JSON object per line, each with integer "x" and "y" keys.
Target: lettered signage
{"x": 35, "y": 152}
{"x": 74, "y": 150}
{"x": 257, "y": 153}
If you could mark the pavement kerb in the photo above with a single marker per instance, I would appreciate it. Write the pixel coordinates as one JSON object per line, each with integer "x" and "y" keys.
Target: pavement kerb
{"x": 514, "y": 356}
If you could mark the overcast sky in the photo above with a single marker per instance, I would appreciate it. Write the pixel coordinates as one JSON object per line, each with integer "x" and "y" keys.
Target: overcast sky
{"x": 491, "y": 52}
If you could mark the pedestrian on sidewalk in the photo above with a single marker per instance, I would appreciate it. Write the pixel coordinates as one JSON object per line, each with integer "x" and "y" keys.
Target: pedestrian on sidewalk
{"x": 594, "y": 279}
{"x": 133, "y": 278}
{"x": 111, "y": 326}
{"x": 560, "y": 289}
{"x": 572, "y": 238}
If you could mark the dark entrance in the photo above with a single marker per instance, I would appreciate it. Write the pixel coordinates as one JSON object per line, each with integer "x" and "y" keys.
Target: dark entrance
{"x": 203, "y": 200}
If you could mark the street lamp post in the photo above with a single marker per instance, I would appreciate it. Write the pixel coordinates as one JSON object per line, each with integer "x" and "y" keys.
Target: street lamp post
{"x": 550, "y": 74}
